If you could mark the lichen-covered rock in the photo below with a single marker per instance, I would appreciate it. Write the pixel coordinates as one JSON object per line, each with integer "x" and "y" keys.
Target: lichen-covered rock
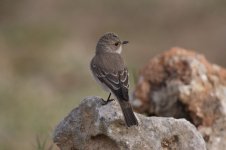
{"x": 183, "y": 84}
{"x": 93, "y": 126}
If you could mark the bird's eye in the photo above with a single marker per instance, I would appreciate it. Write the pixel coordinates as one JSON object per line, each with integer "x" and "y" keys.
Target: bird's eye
{"x": 117, "y": 43}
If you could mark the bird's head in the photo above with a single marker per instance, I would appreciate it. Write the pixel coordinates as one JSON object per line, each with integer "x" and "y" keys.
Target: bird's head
{"x": 110, "y": 43}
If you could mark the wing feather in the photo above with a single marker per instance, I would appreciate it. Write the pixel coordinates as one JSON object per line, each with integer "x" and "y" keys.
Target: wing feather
{"x": 116, "y": 81}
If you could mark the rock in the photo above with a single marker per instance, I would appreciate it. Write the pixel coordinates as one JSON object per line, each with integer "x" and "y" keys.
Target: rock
{"x": 183, "y": 84}
{"x": 93, "y": 126}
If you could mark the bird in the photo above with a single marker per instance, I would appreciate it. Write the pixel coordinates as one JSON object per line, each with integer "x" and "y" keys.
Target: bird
{"x": 109, "y": 70}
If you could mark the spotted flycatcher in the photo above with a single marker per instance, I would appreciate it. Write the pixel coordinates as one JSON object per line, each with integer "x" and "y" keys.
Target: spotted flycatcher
{"x": 111, "y": 73}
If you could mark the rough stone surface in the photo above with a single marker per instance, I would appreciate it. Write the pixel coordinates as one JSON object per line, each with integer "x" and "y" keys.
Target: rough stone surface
{"x": 183, "y": 84}
{"x": 93, "y": 126}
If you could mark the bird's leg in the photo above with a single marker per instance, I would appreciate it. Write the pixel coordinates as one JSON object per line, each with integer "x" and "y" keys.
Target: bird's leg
{"x": 108, "y": 100}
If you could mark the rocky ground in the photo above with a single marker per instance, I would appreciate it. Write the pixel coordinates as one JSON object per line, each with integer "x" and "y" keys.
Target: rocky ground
{"x": 93, "y": 126}
{"x": 183, "y": 84}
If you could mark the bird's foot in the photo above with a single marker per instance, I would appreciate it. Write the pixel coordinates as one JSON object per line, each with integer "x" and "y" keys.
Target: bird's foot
{"x": 105, "y": 102}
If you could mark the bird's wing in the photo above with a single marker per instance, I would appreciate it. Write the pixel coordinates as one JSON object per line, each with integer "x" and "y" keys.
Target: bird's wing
{"x": 117, "y": 81}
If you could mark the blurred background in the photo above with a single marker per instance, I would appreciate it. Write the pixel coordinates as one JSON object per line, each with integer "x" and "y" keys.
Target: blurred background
{"x": 46, "y": 47}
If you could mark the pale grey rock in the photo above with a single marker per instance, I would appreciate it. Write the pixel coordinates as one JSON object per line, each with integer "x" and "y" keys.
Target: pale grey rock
{"x": 93, "y": 126}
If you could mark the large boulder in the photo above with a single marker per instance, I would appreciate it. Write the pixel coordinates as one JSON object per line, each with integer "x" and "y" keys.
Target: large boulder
{"x": 93, "y": 126}
{"x": 183, "y": 84}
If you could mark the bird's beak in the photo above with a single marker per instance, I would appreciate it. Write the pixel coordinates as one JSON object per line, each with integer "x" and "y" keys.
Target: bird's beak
{"x": 125, "y": 42}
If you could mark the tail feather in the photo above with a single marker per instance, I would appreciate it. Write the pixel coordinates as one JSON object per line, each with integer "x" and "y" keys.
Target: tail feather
{"x": 128, "y": 114}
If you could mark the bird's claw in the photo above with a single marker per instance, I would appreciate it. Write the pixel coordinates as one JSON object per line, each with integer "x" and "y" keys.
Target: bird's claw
{"x": 104, "y": 102}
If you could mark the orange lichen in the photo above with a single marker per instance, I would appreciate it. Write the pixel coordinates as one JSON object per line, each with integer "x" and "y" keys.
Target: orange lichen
{"x": 195, "y": 80}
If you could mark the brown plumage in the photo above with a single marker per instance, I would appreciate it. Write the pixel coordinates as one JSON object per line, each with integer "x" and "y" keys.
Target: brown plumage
{"x": 109, "y": 70}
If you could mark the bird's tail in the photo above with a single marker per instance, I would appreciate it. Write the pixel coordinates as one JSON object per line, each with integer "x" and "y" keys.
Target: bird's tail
{"x": 128, "y": 114}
